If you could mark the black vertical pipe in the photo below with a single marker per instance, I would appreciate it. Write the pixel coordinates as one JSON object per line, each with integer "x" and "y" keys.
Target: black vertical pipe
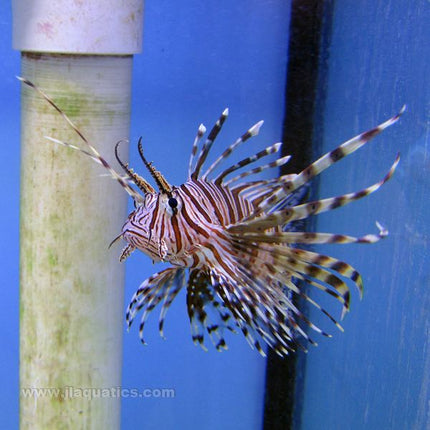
{"x": 310, "y": 30}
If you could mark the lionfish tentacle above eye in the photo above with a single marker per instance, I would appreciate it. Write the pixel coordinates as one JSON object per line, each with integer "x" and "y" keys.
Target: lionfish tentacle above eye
{"x": 229, "y": 244}
{"x": 140, "y": 182}
{"x": 159, "y": 179}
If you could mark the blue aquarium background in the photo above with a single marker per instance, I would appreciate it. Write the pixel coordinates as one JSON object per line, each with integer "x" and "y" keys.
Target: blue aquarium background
{"x": 198, "y": 58}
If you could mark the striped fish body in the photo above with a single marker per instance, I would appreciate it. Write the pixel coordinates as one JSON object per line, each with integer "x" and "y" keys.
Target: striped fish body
{"x": 186, "y": 227}
{"x": 243, "y": 266}
{"x": 228, "y": 242}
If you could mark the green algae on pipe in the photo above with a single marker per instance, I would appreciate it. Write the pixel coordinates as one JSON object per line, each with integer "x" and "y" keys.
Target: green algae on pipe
{"x": 71, "y": 284}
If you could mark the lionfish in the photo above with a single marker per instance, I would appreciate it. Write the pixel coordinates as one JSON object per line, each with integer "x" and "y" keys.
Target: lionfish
{"x": 228, "y": 243}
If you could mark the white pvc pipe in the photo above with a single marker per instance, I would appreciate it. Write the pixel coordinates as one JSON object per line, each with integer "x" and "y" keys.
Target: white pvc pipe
{"x": 71, "y": 284}
{"x": 78, "y": 27}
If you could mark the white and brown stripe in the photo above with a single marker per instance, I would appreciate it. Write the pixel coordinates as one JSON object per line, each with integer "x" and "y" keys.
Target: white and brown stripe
{"x": 227, "y": 243}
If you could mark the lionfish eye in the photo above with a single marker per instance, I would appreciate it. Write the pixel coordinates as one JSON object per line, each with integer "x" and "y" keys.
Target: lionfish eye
{"x": 173, "y": 203}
